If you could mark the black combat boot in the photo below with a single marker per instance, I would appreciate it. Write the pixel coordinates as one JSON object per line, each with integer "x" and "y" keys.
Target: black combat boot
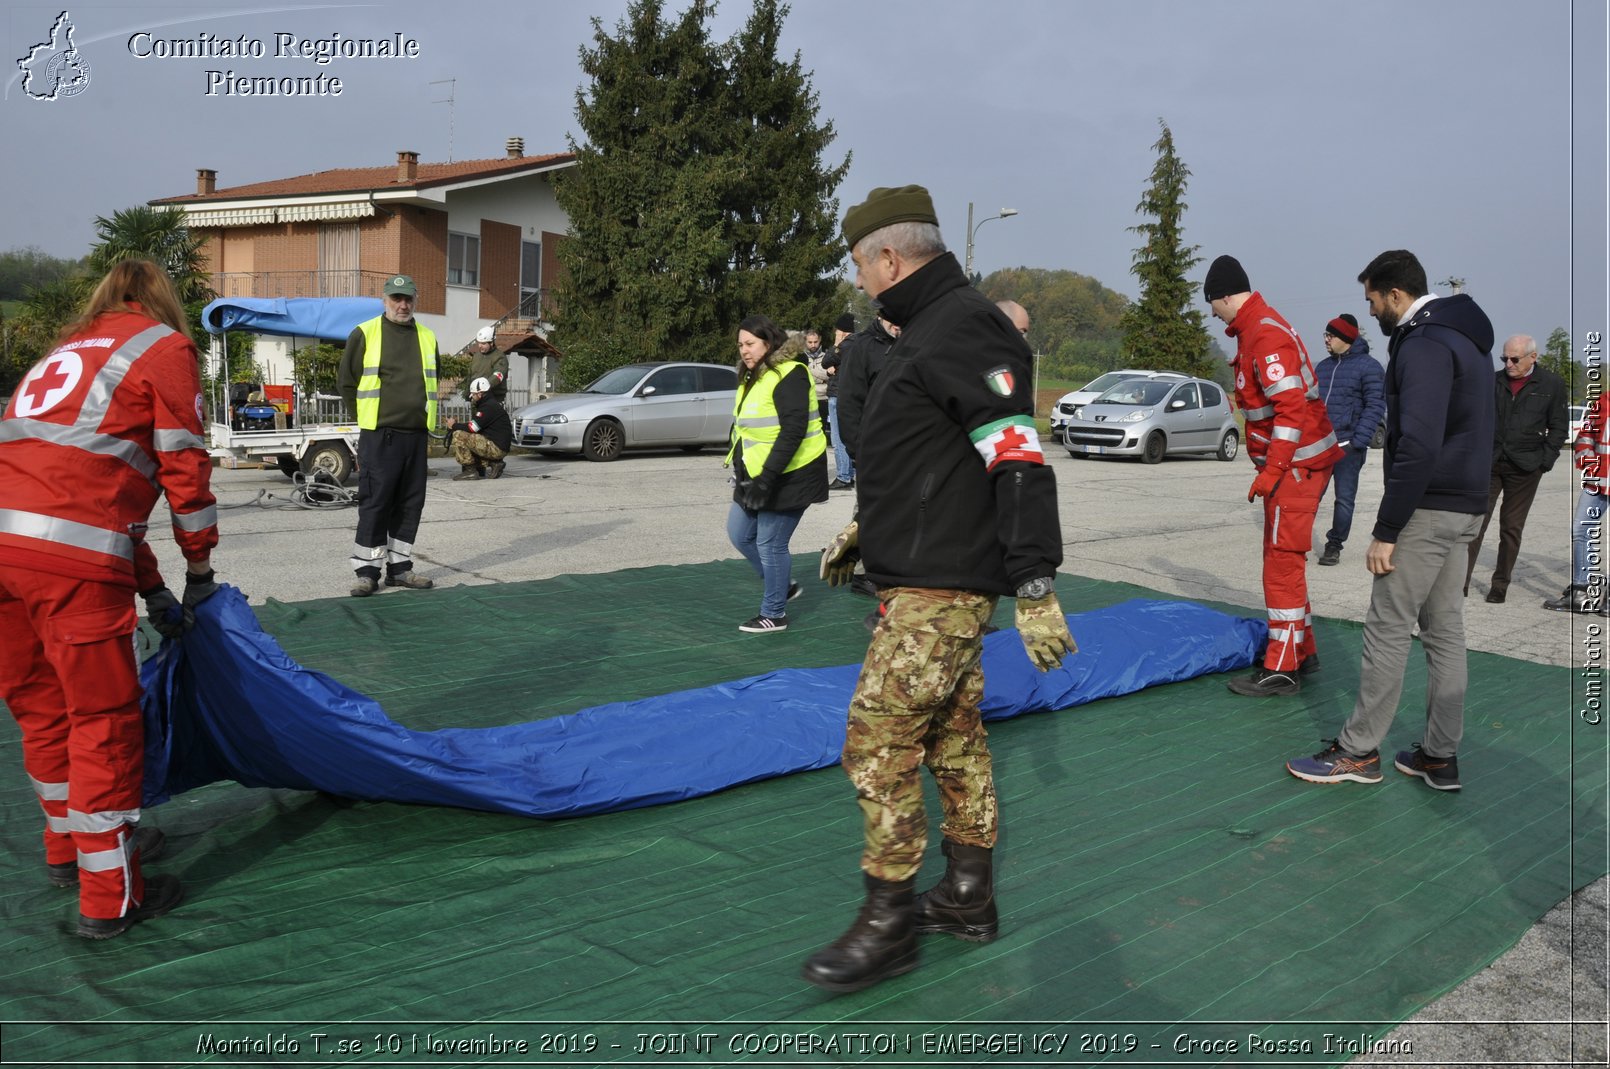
{"x": 963, "y": 903}
{"x": 880, "y": 944}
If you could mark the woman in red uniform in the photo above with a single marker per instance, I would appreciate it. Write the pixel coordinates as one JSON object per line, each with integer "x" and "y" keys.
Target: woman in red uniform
{"x": 109, "y": 419}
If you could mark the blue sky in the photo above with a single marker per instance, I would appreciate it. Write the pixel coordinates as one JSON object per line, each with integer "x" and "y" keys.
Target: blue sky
{"x": 1318, "y": 134}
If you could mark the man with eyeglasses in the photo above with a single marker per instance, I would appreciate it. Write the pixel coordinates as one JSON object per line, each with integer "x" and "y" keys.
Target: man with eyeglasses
{"x": 388, "y": 377}
{"x": 1529, "y": 433}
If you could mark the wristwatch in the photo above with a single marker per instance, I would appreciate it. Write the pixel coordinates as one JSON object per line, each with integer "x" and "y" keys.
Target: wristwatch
{"x": 1035, "y": 589}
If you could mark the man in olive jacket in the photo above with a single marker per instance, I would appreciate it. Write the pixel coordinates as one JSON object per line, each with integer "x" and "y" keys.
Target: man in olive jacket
{"x": 1527, "y": 438}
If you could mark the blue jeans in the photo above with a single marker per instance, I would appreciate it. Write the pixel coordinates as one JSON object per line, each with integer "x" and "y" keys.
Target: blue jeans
{"x": 843, "y": 466}
{"x": 1344, "y": 477}
{"x": 1587, "y": 542}
{"x": 762, "y": 537}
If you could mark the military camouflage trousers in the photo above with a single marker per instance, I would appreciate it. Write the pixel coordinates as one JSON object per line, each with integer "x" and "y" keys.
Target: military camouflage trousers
{"x": 473, "y": 448}
{"x": 916, "y": 703}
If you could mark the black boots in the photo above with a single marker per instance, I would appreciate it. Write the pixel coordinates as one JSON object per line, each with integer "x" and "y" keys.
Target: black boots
{"x": 963, "y": 903}
{"x": 881, "y": 943}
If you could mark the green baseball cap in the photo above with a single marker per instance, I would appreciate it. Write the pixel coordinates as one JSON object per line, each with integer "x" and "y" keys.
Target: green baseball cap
{"x": 400, "y": 285}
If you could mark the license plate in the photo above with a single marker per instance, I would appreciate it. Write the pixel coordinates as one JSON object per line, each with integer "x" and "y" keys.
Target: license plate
{"x": 1095, "y": 449}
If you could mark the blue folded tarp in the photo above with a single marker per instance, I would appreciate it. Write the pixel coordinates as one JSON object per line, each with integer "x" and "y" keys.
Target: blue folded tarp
{"x": 227, "y": 703}
{"x": 328, "y": 318}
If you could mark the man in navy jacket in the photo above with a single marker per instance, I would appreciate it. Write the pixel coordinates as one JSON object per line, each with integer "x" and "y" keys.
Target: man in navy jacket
{"x": 1439, "y": 453}
{"x": 1353, "y": 388}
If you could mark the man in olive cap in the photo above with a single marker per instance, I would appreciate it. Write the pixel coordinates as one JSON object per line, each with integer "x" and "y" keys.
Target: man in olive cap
{"x": 388, "y": 377}
{"x": 957, "y": 508}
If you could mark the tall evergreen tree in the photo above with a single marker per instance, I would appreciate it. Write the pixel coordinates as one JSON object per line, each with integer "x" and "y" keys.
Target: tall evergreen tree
{"x": 1164, "y": 328}
{"x": 699, "y": 196}
{"x": 1556, "y": 356}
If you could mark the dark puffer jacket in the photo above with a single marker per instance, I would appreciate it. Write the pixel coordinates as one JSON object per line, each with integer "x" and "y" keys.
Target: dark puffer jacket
{"x": 1353, "y": 387}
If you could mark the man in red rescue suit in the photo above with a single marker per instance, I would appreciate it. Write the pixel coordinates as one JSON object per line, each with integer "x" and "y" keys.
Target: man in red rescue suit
{"x": 1290, "y": 440}
{"x": 97, "y": 428}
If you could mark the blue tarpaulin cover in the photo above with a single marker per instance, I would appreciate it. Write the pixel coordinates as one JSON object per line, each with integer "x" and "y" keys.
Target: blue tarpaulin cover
{"x": 227, "y": 703}
{"x": 327, "y": 318}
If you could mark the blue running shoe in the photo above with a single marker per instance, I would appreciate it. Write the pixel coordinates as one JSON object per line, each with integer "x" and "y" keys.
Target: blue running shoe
{"x": 1335, "y": 765}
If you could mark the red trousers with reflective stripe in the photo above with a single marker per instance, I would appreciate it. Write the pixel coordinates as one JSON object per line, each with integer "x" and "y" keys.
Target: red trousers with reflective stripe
{"x": 68, "y": 674}
{"x": 1288, "y": 535}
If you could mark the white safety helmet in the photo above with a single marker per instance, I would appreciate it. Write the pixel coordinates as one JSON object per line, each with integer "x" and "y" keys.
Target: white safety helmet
{"x": 484, "y": 334}
{"x": 480, "y": 386}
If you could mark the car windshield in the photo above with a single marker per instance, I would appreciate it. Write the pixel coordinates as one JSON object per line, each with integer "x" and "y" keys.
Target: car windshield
{"x": 1106, "y": 382}
{"x": 621, "y": 380}
{"x": 1137, "y": 392}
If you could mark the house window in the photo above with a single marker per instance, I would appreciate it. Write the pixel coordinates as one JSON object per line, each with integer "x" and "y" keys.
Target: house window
{"x": 463, "y": 260}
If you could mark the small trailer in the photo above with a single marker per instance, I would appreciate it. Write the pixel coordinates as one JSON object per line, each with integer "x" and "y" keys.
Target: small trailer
{"x": 294, "y": 437}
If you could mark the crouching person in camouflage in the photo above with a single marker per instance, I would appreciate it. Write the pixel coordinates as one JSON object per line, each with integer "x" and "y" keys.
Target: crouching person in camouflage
{"x": 957, "y": 508}
{"x": 481, "y": 443}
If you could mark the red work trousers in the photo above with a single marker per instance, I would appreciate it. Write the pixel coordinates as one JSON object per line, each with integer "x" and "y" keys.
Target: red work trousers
{"x": 1288, "y": 535}
{"x": 68, "y": 674}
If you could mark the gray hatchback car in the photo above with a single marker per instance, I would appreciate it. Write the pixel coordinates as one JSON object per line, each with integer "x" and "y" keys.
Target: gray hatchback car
{"x": 639, "y": 405}
{"x": 1154, "y": 418}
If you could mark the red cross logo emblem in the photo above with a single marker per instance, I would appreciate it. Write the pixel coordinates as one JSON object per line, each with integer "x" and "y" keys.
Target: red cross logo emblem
{"x": 1011, "y": 438}
{"x": 51, "y": 380}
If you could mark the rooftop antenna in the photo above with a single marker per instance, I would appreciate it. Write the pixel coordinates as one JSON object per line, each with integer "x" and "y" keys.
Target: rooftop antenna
{"x": 452, "y": 84}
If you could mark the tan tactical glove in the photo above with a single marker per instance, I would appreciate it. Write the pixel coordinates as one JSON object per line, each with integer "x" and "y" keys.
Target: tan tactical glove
{"x": 1044, "y": 631}
{"x": 841, "y": 555}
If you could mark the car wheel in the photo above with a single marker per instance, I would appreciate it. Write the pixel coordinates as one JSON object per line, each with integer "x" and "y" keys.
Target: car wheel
{"x": 602, "y": 440}
{"x": 1230, "y": 446}
{"x": 1378, "y": 439}
{"x": 331, "y": 458}
{"x": 1156, "y": 446}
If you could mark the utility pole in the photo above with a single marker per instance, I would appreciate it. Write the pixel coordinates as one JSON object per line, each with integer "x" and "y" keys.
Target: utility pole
{"x": 1456, "y": 285}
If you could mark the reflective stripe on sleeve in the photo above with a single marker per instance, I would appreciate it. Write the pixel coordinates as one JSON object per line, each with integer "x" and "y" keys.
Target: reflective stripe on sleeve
{"x": 199, "y": 520}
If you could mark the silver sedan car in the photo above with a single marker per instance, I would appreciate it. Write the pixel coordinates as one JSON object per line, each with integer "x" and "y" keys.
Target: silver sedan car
{"x": 1154, "y": 418}
{"x": 638, "y": 405}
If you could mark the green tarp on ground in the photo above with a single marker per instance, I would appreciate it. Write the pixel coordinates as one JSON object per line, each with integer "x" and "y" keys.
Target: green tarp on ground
{"x": 1156, "y": 866}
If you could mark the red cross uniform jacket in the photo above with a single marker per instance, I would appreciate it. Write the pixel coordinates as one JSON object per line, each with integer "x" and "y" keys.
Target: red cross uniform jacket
{"x": 1591, "y": 447}
{"x": 95, "y": 431}
{"x": 1275, "y": 386}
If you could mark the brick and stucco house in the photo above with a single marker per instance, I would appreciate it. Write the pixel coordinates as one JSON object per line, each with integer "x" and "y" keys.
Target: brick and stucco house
{"x": 479, "y": 238}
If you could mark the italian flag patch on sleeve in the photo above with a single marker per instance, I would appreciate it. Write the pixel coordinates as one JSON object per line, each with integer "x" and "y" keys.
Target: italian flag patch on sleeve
{"x": 1013, "y": 438}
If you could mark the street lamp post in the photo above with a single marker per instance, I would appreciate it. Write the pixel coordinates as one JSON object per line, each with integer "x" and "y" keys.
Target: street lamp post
{"x": 1004, "y": 213}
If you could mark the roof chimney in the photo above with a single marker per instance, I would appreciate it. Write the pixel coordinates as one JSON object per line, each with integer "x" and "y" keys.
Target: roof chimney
{"x": 206, "y": 181}
{"x": 407, "y": 166}
{"x": 515, "y": 146}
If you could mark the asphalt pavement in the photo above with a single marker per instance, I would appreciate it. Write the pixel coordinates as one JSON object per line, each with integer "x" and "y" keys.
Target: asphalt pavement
{"x": 1183, "y": 528}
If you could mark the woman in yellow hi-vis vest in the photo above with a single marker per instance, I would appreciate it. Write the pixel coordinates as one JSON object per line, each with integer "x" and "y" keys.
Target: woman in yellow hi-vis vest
{"x": 779, "y": 455}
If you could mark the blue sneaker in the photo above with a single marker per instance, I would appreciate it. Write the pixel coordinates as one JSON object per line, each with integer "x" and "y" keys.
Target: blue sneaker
{"x": 1440, "y": 773}
{"x": 1335, "y": 765}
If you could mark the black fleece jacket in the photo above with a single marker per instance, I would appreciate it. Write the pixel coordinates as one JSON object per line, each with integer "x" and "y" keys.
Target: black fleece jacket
{"x": 1439, "y": 414}
{"x": 932, "y": 514}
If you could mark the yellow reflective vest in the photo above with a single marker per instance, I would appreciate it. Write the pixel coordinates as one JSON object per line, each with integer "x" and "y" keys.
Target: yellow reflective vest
{"x": 756, "y": 424}
{"x": 368, "y": 397}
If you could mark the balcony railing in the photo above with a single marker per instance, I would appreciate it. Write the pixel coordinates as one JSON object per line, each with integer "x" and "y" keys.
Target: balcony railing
{"x": 298, "y": 283}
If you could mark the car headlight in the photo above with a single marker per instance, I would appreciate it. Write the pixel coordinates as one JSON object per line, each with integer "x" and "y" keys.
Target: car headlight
{"x": 557, "y": 417}
{"x": 1135, "y": 416}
